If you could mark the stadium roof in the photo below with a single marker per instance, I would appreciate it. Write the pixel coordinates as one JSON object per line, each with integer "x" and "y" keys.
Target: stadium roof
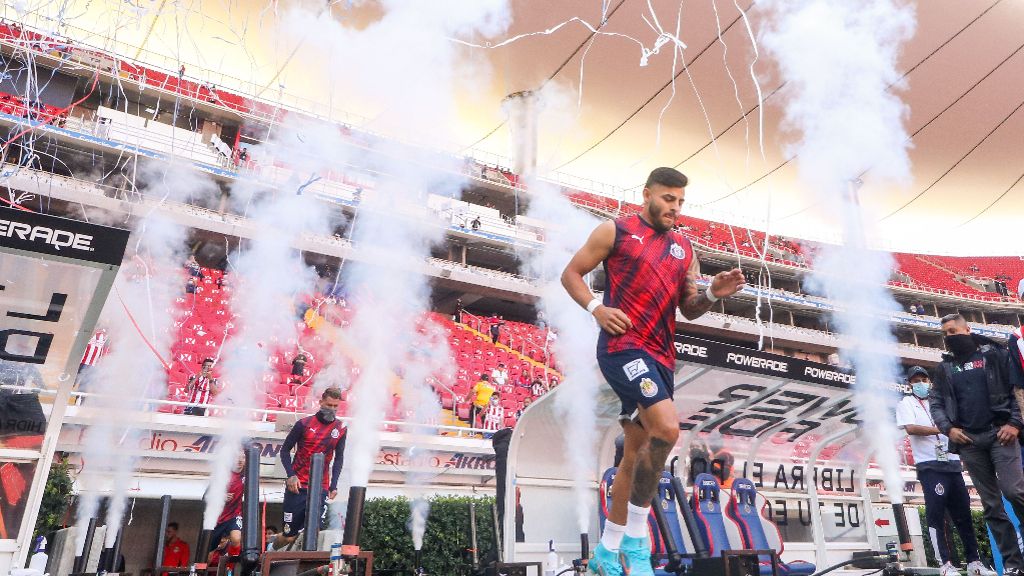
{"x": 964, "y": 72}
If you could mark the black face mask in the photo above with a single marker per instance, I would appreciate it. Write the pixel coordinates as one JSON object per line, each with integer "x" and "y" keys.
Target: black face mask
{"x": 326, "y": 415}
{"x": 960, "y": 344}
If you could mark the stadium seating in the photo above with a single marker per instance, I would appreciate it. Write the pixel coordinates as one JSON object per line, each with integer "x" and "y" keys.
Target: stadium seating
{"x": 204, "y": 322}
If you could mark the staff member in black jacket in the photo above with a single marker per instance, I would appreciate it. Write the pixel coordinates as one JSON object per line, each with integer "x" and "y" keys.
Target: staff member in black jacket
{"x": 974, "y": 405}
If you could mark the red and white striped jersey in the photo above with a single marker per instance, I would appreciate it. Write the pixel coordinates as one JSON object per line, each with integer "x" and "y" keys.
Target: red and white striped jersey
{"x": 494, "y": 417}
{"x": 200, "y": 389}
{"x": 94, "y": 349}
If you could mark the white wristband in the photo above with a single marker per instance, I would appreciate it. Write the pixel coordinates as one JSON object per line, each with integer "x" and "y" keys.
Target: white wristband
{"x": 710, "y": 296}
{"x": 593, "y": 305}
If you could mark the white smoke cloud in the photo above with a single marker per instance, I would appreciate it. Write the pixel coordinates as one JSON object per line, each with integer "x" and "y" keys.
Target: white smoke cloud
{"x": 414, "y": 91}
{"x": 139, "y": 327}
{"x": 429, "y": 359}
{"x": 567, "y": 229}
{"x": 267, "y": 278}
{"x": 839, "y": 58}
{"x": 576, "y": 346}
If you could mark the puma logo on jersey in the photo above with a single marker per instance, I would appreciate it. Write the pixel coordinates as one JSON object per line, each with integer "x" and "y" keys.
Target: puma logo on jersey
{"x": 639, "y": 238}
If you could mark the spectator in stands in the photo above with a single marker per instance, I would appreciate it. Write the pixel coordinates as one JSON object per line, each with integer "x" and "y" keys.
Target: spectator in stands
{"x": 537, "y": 388}
{"x": 494, "y": 415}
{"x": 495, "y": 330}
{"x": 181, "y": 72}
{"x": 542, "y": 321}
{"x": 475, "y": 223}
{"x": 458, "y": 311}
{"x": 93, "y": 351}
{"x": 201, "y": 389}
{"x": 299, "y": 367}
{"x": 941, "y": 477}
{"x": 524, "y": 377}
{"x": 499, "y": 376}
{"x": 526, "y": 403}
{"x": 176, "y": 552}
{"x": 482, "y": 392}
{"x": 193, "y": 267}
{"x": 973, "y": 404}
{"x": 1020, "y": 289}
{"x": 320, "y": 433}
{"x": 190, "y": 286}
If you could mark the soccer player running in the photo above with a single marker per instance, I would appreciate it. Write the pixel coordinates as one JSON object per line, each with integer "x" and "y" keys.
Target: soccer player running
{"x": 650, "y": 271}
{"x": 319, "y": 433}
{"x": 229, "y": 523}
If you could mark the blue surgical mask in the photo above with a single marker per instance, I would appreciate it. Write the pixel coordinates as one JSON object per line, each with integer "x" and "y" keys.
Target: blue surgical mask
{"x": 921, "y": 389}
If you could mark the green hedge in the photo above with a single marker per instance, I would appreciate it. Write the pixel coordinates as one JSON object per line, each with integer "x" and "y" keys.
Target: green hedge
{"x": 980, "y": 532}
{"x": 386, "y": 533}
{"x": 56, "y": 498}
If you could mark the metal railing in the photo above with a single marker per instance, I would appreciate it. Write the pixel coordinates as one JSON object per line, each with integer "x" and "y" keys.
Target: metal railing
{"x": 262, "y": 413}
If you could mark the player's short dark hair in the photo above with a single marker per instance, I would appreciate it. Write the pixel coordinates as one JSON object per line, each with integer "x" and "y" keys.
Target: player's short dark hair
{"x": 332, "y": 392}
{"x": 172, "y": 525}
{"x": 952, "y": 318}
{"x": 485, "y": 377}
{"x": 210, "y": 360}
{"x": 667, "y": 177}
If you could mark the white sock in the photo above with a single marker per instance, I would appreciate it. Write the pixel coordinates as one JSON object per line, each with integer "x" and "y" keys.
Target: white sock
{"x": 636, "y": 521}
{"x": 612, "y": 537}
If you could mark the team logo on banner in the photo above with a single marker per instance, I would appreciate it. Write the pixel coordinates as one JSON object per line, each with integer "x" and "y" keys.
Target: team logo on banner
{"x": 648, "y": 388}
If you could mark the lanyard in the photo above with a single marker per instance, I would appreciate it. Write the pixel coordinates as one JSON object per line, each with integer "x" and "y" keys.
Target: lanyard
{"x": 938, "y": 440}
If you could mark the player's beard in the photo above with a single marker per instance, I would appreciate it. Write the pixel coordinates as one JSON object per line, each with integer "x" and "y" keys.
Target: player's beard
{"x": 654, "y": 214}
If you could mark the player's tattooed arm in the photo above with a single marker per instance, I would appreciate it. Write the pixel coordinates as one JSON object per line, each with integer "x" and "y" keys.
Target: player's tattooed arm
{"x": 695, "y": 302}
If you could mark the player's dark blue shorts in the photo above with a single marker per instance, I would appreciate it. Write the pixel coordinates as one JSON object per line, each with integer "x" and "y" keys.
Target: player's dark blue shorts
{"x": 223, "y": 529}
{"x": 295, "y": 511}
{"x": 636, "y": 378}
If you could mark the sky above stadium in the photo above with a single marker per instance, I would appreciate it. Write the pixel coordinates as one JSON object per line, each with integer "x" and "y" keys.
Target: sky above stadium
{"x": 613, "y": 113}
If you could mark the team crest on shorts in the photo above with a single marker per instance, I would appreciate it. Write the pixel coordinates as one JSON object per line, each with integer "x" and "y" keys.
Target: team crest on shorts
{"x": 334, "y": 433}
{"x": 940, "y": 489}
{"x": 677, "y": 251}
{"x": 635, "y": 368}
{"x": 648, "y": 388}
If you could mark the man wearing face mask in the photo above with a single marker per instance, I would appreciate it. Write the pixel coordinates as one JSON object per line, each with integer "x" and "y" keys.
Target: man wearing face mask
{"x": 941, "y": 477}
{"x": 320, "y": 433}
{"x": 973, "y": 404}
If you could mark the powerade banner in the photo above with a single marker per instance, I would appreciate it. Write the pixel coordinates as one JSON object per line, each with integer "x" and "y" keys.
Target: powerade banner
{"x": 689, "y": 349}
{"x": 56, "y": 236}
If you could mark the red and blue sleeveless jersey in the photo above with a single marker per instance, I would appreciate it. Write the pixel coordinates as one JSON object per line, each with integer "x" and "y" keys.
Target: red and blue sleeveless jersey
{"x": 316, "y": 437}
{"x": 233, "y": 501}
{"x": 645, "y": 276}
